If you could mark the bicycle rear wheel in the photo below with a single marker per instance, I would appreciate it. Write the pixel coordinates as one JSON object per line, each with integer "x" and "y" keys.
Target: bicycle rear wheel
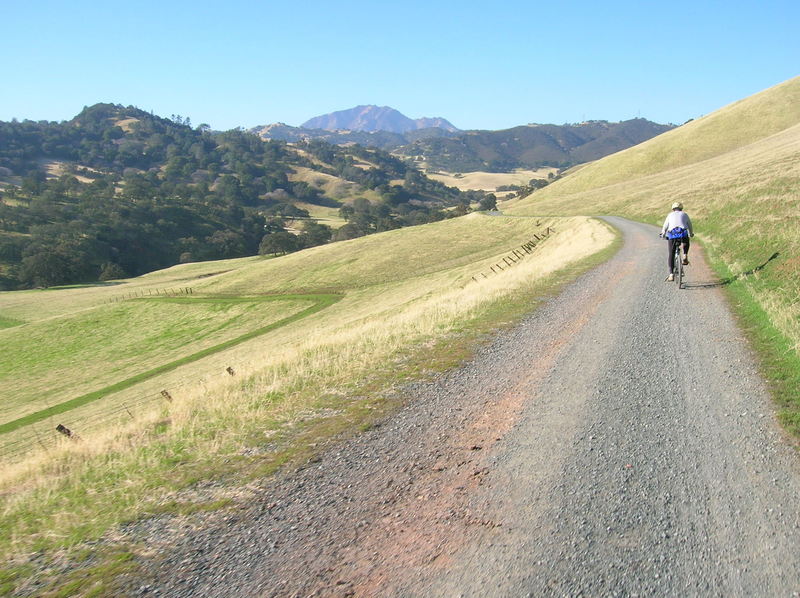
{"x": 677, "y": 266}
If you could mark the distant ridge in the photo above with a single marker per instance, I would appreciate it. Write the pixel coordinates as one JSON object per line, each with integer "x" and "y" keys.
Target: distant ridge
{"x": 372, "y": 118}
{"x": 531, "y": 146}
{"x": 527, "y": 146}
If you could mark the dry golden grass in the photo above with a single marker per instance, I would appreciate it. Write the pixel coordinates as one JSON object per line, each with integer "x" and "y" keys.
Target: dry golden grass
{"x": 333, "y": 186}
{"x": 403, "y": 290}
{"x": 126, "y": 124}
{"x": 742, "y": 123}
{"x": 328, "y": 216}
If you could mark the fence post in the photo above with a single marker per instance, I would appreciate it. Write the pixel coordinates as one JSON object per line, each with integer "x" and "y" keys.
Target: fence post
{"x": 35, "y": 431}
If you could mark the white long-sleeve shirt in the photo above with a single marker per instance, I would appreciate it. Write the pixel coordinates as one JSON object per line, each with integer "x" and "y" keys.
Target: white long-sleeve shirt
{"x": 677, "y": 218}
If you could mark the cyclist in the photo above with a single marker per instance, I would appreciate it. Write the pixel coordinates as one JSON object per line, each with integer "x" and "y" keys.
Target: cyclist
{"x": 677, "y": 228}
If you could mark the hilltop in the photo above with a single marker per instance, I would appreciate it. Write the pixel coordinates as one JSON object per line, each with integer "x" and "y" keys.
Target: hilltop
{"x": 385, "y": 140}
{"x": 717, "y": 135}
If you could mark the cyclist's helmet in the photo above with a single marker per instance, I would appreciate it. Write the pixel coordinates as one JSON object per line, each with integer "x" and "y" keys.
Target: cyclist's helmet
{"x": 677, "y": 206}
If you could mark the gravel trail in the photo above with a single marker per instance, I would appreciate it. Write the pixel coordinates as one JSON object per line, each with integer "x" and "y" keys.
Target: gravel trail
{"x": 618, "y": 442}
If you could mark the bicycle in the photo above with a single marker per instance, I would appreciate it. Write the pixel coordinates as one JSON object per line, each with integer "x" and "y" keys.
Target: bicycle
{"x": 677, "y": 262}
{"x": 677, "y": 265}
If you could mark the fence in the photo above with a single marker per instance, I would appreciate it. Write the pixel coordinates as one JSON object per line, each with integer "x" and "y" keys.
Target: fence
{"x": 153, "y": 293}
{"x": 516, "y": 255}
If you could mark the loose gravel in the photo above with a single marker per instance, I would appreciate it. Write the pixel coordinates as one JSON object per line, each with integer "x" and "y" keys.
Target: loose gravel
{"x": 618, "y": 442}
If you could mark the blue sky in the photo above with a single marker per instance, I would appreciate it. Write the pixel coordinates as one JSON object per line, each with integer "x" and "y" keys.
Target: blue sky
{"x": 487, "y": 65}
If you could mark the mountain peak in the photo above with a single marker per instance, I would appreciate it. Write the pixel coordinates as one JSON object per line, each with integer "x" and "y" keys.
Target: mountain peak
{"x": 374, "y": 118}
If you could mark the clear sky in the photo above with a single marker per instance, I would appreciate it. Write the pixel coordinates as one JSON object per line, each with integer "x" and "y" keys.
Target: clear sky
{"x": 480, "y": 64}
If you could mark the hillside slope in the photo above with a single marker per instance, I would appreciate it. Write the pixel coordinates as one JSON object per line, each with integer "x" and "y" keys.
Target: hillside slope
{"x": 737, "y": 171}
{"x": 734, "y": 126}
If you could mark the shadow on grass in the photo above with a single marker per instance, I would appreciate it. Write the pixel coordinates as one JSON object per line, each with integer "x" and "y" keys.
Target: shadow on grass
{"x": 711, "y": 284}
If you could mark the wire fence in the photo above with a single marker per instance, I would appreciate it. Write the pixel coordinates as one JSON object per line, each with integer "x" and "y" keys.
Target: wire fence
{"x": 515, "y": 255}
{"x": 182, "y": 291}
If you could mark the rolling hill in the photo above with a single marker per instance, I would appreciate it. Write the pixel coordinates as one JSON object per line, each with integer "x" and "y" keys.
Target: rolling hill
{"x": 385, "y": 140}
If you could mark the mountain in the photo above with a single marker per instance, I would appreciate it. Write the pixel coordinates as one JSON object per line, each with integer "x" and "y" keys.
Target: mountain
{"x": 374, "y": 118}
{"x": 531, "y": 146}
{"x": 442, "y": 147}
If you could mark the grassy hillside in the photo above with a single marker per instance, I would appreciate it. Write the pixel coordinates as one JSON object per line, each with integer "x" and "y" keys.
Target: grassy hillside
{"x": 119, "y": 340}
{"x": 406, "y": 301}
{"x": 737, "y": 125}
{"x": 737, "y": 171}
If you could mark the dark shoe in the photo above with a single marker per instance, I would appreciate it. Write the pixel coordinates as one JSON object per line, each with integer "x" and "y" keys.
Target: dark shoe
{"x": 686, "y": 261}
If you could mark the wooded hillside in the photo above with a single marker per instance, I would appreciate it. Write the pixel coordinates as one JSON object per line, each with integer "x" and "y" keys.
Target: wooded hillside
{"x": 118, "y": 192}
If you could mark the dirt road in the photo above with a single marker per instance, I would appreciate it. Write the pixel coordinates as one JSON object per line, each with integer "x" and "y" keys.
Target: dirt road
{"x": 618, "y": 442}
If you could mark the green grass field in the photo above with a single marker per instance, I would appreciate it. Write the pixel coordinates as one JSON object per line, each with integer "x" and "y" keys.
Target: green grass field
{"x": 53, "y": 360}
